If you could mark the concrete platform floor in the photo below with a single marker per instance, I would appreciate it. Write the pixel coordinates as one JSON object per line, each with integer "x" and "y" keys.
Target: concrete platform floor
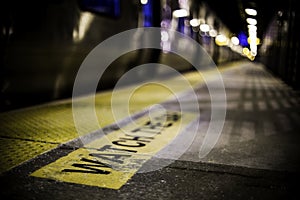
{"x": 255, "y": 157}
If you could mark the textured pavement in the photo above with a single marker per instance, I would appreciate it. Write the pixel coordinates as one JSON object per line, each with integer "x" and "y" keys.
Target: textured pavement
{"x": 256, "y": 156}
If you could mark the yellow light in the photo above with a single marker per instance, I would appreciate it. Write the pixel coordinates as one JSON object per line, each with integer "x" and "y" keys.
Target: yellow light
{"x": 246, "y": 51}
{"x": 251, "y": 11}
{"x": 250, "y": 40}
{"x": 221, "y": 40}
{"x": 257, "y": 41}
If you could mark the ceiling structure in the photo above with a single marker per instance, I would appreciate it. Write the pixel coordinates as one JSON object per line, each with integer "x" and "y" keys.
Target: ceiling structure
{"x": 232, "y": 13}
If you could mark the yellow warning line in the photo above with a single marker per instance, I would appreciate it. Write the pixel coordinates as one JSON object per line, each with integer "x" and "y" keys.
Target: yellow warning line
{"x": 13, "y": 152}
{"x": 38, "y": 129}
{"x": 113, "y": 159}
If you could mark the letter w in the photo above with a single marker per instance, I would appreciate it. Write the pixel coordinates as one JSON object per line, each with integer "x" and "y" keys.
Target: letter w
{"x": 89, "y": 168}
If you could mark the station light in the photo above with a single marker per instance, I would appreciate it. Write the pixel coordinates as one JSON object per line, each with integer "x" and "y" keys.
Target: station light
{"x": 164, "y": 36}
{"x": 195, "y": 22}
{"x": 85, "y": 22}
{"x": 204, "y": 27}
{"x": 251, "y": 21}
{"x": 235, "y": 40}
{"x": 243, "y": 39}
{"x": 253, "y": 53}
{"x": 221, "y": 40}
{"x": 180, "y": 13}
{"x": 253, "y": 40}
{"x": 252, "y": 28}
{"x": 250, "y": 11}
{"x": 212, "y": 33}
{"x": 144, "y": 2}
{"x": 246, "y": 51}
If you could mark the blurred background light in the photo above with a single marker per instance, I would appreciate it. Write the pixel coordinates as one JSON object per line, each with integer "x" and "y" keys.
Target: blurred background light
{"x": 253, "y": 40}
{"x": 204, "y": 27}
{"x": 235, "y": 40}
{"x": 144, "y": 2}
{"x": 180, "y": 13}
{"x": 221, "y": 40}
{"x": 243, "y": 39}
{"x": 250, "y": 11}
{"x": 194, "y": 22}
{"x": 252, "y": 28}
{"x": 213, "y": 33}
{"x": 251, "y": 21}
{"x": 85, "y": 21}
{"x": 246, "y": 51}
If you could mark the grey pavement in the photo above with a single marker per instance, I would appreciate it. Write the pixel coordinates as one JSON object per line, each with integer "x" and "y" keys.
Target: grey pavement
{"x": 256, "y": 156}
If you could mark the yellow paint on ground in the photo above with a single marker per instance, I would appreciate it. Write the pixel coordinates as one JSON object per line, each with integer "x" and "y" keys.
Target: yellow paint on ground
{"x": 52, "y": 124}
{"x": 129, "y": 148}
{"x": 114, "y": 180}
{"x": 13, "y": 152}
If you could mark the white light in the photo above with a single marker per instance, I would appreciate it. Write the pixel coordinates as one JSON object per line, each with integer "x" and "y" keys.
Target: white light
{"x": 212, "y": 33}
{"x": 251, "y": 21}
{"x": 204, "y": 27}
{"x": 195, "y": 22}
{"x": 251, "y": 11}
{"x": 252, "y": 27}
{"x": 235, "y": 40}
{"x": 221, "y": 40}
{"x": 84, "y": 25}
{"x": 253, "y": 53}
{"x": 252, "y": 32}
{"x": 180, "y": 13}
{"x": 144, "y": 2}
{"x": 164, "y": 36}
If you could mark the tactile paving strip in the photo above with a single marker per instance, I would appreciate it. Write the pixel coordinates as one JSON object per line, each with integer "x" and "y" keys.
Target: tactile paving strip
{"x": 14, "y": 152}
{"x": 29, "y": 132}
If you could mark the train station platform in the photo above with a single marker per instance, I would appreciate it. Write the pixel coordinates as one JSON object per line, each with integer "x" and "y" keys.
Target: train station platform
{"x": 255, "y": 156}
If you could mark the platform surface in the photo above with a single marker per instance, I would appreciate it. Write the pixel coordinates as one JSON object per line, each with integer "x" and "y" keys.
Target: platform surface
{"x": 43, "y": 156}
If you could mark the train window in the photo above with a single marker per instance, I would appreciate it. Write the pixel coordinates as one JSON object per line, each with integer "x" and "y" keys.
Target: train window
{"x": 110, "y": 8}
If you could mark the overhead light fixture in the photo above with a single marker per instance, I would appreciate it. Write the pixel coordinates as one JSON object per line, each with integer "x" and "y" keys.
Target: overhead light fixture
{"x": 213, "y": 33}
{"x": 195, "y": 22}
{"x": 246, "y": 51}
{"x": 144, "y": 2}
{"x": 180, "y": 13}
{"x": 221, "y": 40}
{"x": 251, "y": 21}
{"x": 254, "y": 40}
{"x": 204, "y": 27}
{"x": 252, "y": 27}
{"x": 235, "y": 40}
{"x": 251, "y": 11}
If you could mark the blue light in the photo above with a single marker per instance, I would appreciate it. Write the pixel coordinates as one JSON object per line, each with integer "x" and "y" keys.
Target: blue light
{"x": 243, "y": 39}
{"x": 117, "y": 11}
{"x": 181, "y": 25}
{"x": 105, "y": 7}
{"x": 147, "y": 12}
